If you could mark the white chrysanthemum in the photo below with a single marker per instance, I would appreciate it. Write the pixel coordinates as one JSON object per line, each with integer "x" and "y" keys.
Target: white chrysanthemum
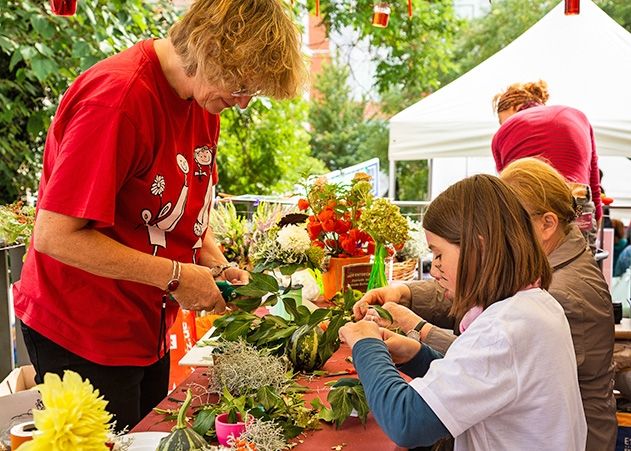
{"x": 294, "y": 238}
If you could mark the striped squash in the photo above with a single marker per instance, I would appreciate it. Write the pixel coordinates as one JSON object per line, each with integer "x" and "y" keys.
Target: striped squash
{"x": 302, "y": 348}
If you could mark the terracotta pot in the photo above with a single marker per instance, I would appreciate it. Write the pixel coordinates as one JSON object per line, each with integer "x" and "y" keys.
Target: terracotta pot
{"x": 332, "y": 277}
{"x": 226, "y": 430}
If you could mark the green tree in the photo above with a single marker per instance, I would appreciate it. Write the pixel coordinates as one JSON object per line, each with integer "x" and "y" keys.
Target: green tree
{"x": 341, "y": 135}
{"x": 264, "y": 149}
{"x": 411, "y": 54}
{"x": 619, "y": 10}
{"x": 41, "y": 54}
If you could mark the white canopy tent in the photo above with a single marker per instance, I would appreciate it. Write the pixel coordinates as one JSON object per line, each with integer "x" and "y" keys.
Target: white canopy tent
{"x": 586, "y": 60}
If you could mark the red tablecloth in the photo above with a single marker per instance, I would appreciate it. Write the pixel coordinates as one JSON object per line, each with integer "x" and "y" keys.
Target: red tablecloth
{"x": 353, "y": 434}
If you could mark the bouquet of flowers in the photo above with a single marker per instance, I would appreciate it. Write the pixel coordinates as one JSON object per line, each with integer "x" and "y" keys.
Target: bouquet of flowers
{"x": 286, "y": 246}
{"x": 384, "y": 222}
{"x": 335, "y": 212}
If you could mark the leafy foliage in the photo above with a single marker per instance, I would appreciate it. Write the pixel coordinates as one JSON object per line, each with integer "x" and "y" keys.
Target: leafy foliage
{"x": 419, "y": 47}
{"x": 41, "y": 54}
{"x": 341, "y": 133}
{"x": 619, "y": 10}
{"x": 347, "y": 394}
{"x": 264, "y": 149}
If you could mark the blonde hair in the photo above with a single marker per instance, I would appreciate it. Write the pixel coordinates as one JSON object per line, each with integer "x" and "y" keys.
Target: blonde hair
{"x": 499, "y": 250}
{"x": 541, "y": 189}
{"x": 522, "y": 95}
{"x": 242, "y": 44}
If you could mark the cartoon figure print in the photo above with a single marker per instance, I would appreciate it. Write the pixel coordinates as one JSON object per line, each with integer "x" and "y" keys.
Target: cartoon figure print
{"x": 204, "y": 157}
{"x": 168, "y": 216}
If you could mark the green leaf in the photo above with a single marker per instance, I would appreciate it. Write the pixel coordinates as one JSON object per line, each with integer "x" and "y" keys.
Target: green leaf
{"x": 249, "y": 304}
{"x": 251, "y": 291}
{"x": 15, "y": 58}
{"x": 204, "y": 421}
{"x": 290, "y": 307}
{"x": 7, "y": 44}
{"x": 347, "y": 382}
{"x": 28, "y": 52}
{"x": 383, "y": 313}
{"x": 341, "y": 405}
{"x": 264, "y": 282}
{"x": 43, "y": 67}
{"x": 318, "y": 315}
{"x": 268, "y": 398}
{"x": 42, "y": 26}
{"x": 235, "y": 330}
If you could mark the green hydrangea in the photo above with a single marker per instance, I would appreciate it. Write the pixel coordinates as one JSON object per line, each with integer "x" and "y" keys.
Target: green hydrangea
{"x": 384, "y": 222}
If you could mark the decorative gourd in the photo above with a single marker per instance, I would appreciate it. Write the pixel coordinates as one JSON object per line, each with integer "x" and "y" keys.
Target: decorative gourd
{"x": 302, "y": 348}
{"x": 183, "y": 438}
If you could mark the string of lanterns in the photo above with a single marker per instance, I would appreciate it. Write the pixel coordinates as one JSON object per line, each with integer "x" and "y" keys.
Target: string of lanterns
{"x": 380, "y": 17}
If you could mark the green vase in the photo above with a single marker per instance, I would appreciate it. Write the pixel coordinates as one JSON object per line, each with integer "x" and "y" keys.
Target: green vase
{"x": 378, "y": 273}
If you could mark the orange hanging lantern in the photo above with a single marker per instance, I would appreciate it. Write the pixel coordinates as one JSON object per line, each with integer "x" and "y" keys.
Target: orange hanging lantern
{"x": 572, "y": 7}
{"x": 380, "y": 15}
{"x": 63, "y": 7}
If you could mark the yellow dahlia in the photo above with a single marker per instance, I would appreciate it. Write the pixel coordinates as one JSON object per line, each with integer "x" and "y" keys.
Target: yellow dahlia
{"x": 74, "y": 419}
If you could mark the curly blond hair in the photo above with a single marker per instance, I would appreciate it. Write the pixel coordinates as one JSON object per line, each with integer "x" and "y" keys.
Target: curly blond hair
{"x": 242, "y": 44}
{"x": 521, "y": 94}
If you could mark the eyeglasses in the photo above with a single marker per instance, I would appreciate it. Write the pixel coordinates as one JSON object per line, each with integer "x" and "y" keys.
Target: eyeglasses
{"x": 244, "y": 92}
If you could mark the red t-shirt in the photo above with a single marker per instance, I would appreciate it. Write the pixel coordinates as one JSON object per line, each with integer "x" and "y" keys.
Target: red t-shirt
{"x": 560, "y": 134}
{"x": 125, "y": 152}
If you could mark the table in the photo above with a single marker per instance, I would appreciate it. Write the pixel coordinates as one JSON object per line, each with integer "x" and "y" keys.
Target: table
{"x": 623, "y": 330}
{"x": 352, "y": 433}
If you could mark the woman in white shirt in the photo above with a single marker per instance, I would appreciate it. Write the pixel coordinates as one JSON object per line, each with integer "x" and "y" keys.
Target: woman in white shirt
{"x": 509, "y": 381}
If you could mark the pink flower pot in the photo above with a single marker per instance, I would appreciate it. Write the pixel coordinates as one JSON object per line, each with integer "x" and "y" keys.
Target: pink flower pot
{"x": 225, "y": 430}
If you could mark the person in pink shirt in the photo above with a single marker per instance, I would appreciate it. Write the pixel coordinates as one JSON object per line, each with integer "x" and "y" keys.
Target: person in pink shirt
{"x": 560, "y": 134}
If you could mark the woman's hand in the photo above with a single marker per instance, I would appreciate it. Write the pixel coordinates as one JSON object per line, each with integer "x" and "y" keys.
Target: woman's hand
{"x": 236, "y": 276}
{"x": 402, "y": 349}
{"x": 403, "y": 318}
{"x": 351, "y": 333}
{"x": 197, "y": 290}
{"x": 379, "y": 296}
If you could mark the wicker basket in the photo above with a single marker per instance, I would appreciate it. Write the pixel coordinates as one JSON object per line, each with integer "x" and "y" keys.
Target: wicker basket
{"x": 405, "y": 270}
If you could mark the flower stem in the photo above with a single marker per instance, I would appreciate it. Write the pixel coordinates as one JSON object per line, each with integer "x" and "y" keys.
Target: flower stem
{"x": 378, "y": 272}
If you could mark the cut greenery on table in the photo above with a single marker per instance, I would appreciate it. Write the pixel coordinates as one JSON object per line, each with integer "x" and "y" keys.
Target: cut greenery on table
{"x": 303, "y": 338}
{"x": 346, "y": 395}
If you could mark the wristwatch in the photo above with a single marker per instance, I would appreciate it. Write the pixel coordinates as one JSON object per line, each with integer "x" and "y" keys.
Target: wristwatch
{"x": 218, "y": 270}
{"x": 416, "y": 332}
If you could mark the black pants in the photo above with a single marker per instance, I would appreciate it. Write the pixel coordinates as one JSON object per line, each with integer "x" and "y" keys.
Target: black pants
{"x": 131, "y": 391}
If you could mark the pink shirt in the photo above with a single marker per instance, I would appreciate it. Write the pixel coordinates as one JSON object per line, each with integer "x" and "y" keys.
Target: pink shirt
{"x": 560, "y": 134}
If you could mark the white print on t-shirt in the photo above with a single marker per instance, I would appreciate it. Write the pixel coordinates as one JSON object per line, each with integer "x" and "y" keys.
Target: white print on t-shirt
{"x": 204, "y": 156}
{"x": 167, "y": 217}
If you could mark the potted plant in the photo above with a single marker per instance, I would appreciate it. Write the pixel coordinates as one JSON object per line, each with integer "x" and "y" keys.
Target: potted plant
{"x": 333, "y": 225}
{"x": 230, "y": 424}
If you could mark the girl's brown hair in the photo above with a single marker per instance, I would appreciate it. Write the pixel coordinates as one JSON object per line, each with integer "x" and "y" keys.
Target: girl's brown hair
{"x": 521, "y": 96}
{"x": 541, "y": 189}
{"x": 242, "y": 44}
{"x": 499, "y": 251}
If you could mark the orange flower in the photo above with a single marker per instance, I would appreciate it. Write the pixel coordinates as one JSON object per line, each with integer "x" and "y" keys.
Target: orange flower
{"x": 342, "y": 226}
{"x": 326, "y": 214}
{"x": 303, "y": 204}
{"x": 329, "y": 225}
{"x": 314, "y": 229}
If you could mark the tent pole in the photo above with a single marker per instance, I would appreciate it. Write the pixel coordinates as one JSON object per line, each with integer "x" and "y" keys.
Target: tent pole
{"x": 430, "y": 174}
{"x": 392, "y": 175}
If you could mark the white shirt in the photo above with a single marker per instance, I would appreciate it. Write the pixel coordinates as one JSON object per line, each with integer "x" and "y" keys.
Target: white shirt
{"x": 509, "y": 381}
